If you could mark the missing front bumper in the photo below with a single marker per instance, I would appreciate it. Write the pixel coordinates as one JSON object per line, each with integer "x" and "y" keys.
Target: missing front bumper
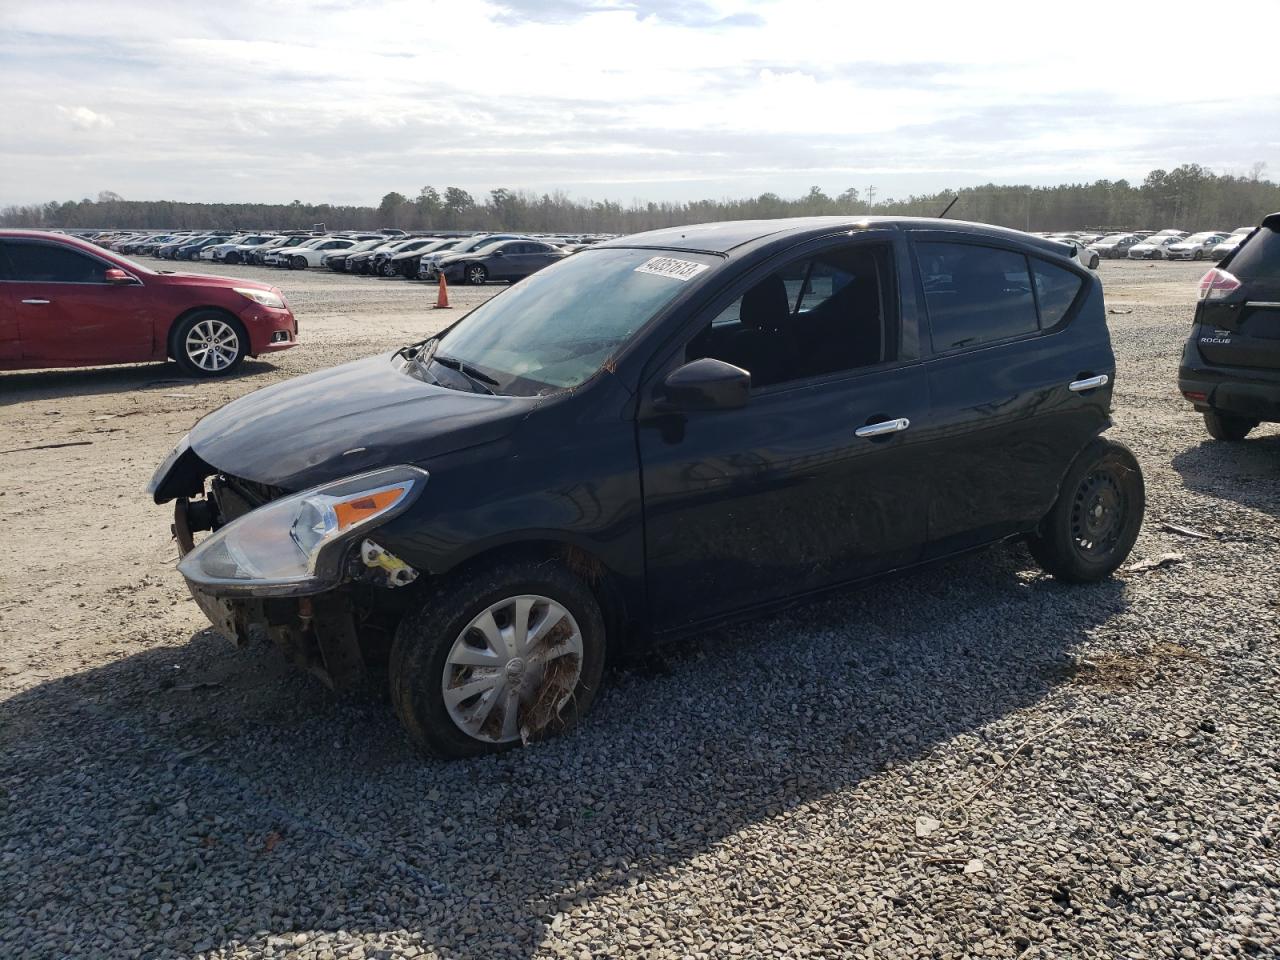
{"x": 316, "y": 633}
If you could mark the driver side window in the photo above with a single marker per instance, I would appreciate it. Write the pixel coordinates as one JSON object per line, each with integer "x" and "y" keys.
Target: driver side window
{"x": 824, "y": 314}
{"x": 49, "y": 263}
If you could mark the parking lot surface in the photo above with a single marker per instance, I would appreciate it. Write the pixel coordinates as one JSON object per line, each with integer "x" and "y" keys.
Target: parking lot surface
{"x": 972, "y": 760}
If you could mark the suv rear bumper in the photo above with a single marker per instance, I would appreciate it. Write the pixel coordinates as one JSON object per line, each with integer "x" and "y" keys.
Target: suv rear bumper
{"x": 1251, "y": 392}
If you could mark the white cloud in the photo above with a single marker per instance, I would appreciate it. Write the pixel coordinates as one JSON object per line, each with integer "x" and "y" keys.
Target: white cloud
{"x": 653, "y": 99}
{"x": 82, "y": 118}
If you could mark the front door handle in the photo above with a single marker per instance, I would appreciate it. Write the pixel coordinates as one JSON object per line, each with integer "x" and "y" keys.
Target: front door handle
{"x": 1088, "y": 383}
{"x": 36, "y": 301}
{"x": 882, "y": 428}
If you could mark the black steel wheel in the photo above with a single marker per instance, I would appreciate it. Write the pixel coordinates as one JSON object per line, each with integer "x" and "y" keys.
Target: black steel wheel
{"x": 1093, "y": 524}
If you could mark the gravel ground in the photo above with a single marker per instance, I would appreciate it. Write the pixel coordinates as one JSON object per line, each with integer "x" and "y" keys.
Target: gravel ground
{"x": 969, "y": 761}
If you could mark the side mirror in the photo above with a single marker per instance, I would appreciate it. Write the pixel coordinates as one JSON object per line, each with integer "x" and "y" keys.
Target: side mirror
{"x": 116, "y": 276}
{"x": 706, "y": 384}
{"x": 498, "y": 253}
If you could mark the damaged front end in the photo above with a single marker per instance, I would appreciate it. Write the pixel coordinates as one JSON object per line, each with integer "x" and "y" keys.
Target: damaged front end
{"x": 298, "y": 569}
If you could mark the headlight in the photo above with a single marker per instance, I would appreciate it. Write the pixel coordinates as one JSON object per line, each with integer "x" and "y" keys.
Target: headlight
{"x": 264, "y": 297}
{"x": 295, "y": 546}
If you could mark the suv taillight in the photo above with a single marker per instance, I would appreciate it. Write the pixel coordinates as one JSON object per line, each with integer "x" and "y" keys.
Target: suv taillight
{"x": 1218, "y": 285}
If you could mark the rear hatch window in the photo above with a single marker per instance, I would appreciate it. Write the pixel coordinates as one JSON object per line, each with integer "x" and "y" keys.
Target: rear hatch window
{"x": 1258, "y": 257}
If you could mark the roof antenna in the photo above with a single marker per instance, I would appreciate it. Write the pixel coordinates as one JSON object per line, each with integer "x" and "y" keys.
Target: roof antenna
{"x": 943, "y": 214}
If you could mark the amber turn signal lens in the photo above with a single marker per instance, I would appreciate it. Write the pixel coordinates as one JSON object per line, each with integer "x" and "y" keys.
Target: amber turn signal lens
{"x": 353, "y": 511}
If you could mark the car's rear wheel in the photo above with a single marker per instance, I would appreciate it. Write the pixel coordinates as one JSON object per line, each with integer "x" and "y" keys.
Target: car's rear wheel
{"x": 507, "y": 655}
{"x": 298, "y": 262}
{"x": 1225, "y": 426}
{"x": 1198, "y": 255}
{"x": 232, "y": 257}
{"x": 1094, "y": 522}
{"x": 477, "y": 274}
{"x": 209, "y": 344}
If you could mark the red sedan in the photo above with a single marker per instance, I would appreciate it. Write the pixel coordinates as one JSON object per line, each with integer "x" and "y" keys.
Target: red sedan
{"x": 67, "y": 303}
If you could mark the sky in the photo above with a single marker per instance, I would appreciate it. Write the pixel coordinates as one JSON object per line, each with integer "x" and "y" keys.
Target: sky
{"x": 341, "y": 102}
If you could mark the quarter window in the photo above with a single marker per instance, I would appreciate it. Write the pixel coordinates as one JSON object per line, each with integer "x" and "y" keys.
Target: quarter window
{"x": 48, "y": 263}
{"x": 1056, "y": 290}
{"x": 975, "y": 294}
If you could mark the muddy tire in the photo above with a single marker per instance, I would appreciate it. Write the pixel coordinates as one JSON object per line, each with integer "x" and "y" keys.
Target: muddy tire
{"x": 1094, "y": 522}
{"x": 492, "y": 659}
{"x": 208, "y": 343}
{"x": 1224, "y": 426}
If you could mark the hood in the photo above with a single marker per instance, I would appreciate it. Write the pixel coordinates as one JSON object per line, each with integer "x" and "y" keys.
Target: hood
{"x": 211, "y": 280}
{"x": 356, "y": 417}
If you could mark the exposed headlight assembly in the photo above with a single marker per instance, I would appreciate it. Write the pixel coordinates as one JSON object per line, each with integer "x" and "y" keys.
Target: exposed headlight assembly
{"x": 295, "y": 546}
{"x": 265, "y": 297}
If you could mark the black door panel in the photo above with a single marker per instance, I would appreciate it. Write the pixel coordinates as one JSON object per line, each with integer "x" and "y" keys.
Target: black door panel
{"x": 747, "y": 506}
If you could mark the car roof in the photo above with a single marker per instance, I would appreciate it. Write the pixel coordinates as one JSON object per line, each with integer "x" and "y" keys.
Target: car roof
{"x": 732, "y": 236}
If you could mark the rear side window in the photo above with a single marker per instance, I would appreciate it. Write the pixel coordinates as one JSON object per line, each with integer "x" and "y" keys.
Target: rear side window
{"x": 975, "y": 294}
{"x": 1258, "y": 258}
{"x": 1056, "y": 290}
{"x": 48, "y": 263}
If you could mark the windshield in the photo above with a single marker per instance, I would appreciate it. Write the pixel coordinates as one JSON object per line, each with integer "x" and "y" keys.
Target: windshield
{"x": 556, "y": 328}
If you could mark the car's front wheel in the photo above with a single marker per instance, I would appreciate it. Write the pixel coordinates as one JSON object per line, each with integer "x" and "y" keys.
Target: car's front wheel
{"x": 1225, "y": 426}
{"x": 1094, "y": 522}
{"x": 298, "y": 263}
{"x": 507, "y": 655}
{"x": 477, "y": 274}
{"x": 209, "y": 344}
{"x": 232, "y": 257}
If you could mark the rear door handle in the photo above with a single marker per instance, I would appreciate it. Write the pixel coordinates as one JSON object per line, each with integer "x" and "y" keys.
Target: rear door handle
{"x": 882, "y": 428}
{"x": 36, "y": 301}
{"x": 1088, "y": 383}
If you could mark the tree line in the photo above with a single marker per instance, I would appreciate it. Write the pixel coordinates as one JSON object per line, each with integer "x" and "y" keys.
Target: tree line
{"x": 1188, "y": 197}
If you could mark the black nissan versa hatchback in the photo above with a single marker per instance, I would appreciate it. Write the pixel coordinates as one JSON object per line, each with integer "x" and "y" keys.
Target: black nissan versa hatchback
{"x": 1231, "y": 362}
{"x": 663, "y": 431}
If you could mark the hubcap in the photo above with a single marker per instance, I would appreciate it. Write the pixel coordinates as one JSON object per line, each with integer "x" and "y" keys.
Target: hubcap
{"x": 512, "y": 669}
{"x": 477, "y": 276}
{"x": 1097, "y": 514}
{"x": 213, "y": 345}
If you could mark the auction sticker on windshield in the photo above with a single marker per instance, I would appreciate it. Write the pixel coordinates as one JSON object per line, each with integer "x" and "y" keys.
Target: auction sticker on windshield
{"x": 671, "y": 267}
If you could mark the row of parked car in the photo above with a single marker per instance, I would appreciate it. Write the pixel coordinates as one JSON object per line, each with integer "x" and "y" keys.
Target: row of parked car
{"x": 475, "y": 258}
{"x": 1168, "y": 244}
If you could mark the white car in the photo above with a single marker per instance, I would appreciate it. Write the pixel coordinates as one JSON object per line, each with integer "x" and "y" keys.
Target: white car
{"x": 233, "y": 250}
{"x": 1194, "y": 247}
{"x": 1080, "y": 253}
{"x": 1152, "y": 248}
{"x": 312, "y": 254}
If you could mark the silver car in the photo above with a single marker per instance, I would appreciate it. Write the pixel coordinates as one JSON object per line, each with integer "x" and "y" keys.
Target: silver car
{"x": 1152, "y": 248}
{"x": 1195, "y": 247}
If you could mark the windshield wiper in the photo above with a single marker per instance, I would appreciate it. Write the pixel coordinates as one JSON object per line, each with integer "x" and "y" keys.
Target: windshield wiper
{"x": 483, "y": 380}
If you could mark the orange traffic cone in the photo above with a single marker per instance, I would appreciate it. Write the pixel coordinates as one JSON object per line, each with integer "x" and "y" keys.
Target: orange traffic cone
{"x": 442, "y": 293}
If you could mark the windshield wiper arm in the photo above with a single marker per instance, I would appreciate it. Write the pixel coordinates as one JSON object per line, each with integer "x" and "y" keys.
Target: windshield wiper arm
{"x": 468, "y": 371}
